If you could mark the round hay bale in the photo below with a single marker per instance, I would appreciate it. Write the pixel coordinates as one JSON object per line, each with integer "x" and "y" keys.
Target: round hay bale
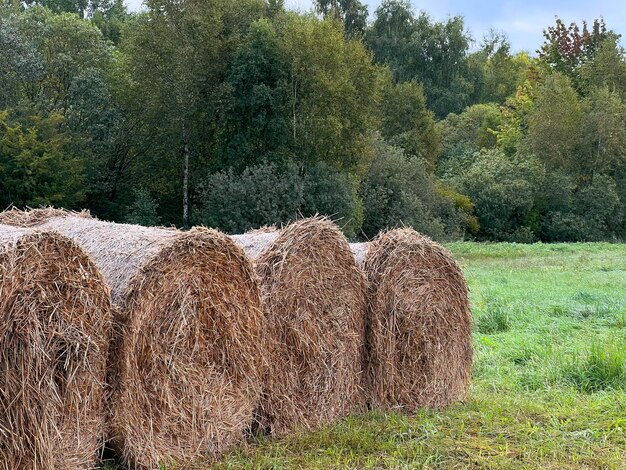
{"x": 419, "y": 343}
{"x": 191, "y": 354}
{"x": 313, "y": 294}
{"x": 55, "y": 327}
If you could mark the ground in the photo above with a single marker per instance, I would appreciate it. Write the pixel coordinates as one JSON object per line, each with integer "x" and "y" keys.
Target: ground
{"x": 549, "y": 387}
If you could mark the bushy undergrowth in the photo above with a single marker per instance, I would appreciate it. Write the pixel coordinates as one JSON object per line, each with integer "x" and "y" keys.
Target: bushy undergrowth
{"x": 268, "y": 193}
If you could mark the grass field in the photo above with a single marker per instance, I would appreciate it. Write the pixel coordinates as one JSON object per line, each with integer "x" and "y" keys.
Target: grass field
{"x": 549, "y": 376}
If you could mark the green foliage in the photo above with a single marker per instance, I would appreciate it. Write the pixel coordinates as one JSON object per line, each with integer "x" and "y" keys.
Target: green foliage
{"x": 298, "y": 91}
{"x": 144, "y": 210}
{"x": 465, "y": 134}
{"x": 267, "y": 194}
{"x": 67, "y": 49}
{"x": 111, "y": 20}
{"x": 503, "y": 190}
{"x": 475, "y": 126}
{"x": 261, "y": 195}
{"x": 82, "y": 8}
{"x": 598, "y": 199}
{"x": 500, "y": 72}
{"x": 603, "y": 132}
{"x": 35, "y": 169}
{"x": 514, "y": 116}
{"x": 574, "y": 212}
{"x": 619, "y": 225}
{"x": 411, "y": 47}
{"x": 173, "y": 51}
{"x": 61, "y": 68}
{"x": 332, "y": 193}
{"x": 608, "y": 69}
{"x": 463, "y": 205}
{"x": 554, "y": 123}
{"x": 352, "y": 13}
{"x": 407, "y": 123}
{"x": 390, "y": 36}
{"x": 400, "y": 191}
{"x": 334, "y": 91}
{"x": 255, "y": 117}
{"x": 20, "y": 62}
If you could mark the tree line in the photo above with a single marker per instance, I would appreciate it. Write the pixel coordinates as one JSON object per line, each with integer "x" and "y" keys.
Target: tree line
{"x": 240, "y": 113}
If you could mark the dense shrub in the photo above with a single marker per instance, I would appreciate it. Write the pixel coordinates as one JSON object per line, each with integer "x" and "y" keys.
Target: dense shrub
{"x": 144, "y": 209}
{"x": 400, "y": 191}
{"x": 574, "y": 212}
{"x": 328, "y": 192}
{"x": 475, "y": 127}
{"x": 560, "y": 226}
{"x": 598, "y": 199}
{"x": 503, "y": 190}
{"x": 463, "y": 210}
{"x": 619, "y": 224}
{"x": 267, "y": 194}
{"x": 464, "y": 135}
{"x": 556, "y": 203}
{"x": 261, "y": 195}
{"x": 456, "y": 160}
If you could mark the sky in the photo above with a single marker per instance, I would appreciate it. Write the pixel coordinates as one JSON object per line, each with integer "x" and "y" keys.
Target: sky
{"x": 522, "y": 21}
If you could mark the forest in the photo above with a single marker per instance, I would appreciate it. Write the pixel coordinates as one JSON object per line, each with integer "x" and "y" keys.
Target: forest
{"x": 241, "y": 113}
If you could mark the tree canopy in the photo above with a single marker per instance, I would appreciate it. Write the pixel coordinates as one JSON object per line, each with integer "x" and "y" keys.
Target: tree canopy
{"x": 240, "y": 113}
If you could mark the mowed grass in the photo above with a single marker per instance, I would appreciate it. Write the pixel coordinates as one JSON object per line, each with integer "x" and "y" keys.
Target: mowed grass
{"x": 549, "y": 387}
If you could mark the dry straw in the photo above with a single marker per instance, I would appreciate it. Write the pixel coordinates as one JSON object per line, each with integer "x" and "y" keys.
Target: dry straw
{"x": 419, "y": 322}
{"x": 191, "y": 355}
{"x": 55, "y": 326}
{"x": 313, "y": 297}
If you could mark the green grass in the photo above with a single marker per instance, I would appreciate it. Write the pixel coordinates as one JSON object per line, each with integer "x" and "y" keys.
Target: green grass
{"x": 549, "y": 387}
{"x": 495, "y": 319}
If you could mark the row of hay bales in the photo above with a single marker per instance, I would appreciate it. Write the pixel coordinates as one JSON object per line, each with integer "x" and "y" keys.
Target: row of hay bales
{"x": 170, "y": 346}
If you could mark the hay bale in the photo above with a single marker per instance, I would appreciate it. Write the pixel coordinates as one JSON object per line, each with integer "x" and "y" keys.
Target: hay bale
{"x": 419, "y": 322}
{"x": 35, "y": 217}
{"x": 314, "y": 303}
{"x": 55, "y": 326}
{"x": 191, "y": 352}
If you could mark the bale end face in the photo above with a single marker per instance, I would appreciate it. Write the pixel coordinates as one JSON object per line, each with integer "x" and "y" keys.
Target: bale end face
{"x": 55, "y": 317}
{"x": 192, "y": 353}
{"x": 313, "y": 296}
{"x": 419, "y": 323}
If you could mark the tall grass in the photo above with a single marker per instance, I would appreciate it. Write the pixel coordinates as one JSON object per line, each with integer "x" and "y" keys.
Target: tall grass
{"x": 495, "y": 319}
{"x": 602, "y": 368}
